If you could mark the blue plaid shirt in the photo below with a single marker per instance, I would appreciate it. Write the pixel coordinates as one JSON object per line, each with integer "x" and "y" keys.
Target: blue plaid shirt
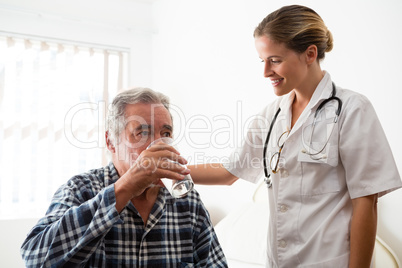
{"x": 82, "y": 228}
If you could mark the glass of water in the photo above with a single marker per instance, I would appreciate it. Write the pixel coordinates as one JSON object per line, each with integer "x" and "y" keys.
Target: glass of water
{"x": 177, "y": 188}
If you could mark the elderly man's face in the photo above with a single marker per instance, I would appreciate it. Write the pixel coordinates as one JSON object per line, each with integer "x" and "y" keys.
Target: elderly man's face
{"x": 145, "y": 123}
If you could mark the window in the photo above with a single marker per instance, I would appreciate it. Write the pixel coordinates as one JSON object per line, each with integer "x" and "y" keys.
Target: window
{"x": 53, "y": 98}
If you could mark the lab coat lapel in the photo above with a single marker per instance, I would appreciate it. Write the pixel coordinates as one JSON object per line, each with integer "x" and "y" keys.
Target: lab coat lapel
{"x": 322, "y": 92}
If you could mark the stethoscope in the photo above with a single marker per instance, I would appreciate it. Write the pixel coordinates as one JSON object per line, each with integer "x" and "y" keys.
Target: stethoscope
{"x": 267, "y": 178}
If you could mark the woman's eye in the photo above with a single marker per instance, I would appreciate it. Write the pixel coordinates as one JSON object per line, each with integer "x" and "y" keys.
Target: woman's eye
{"x": 273, "y": 61}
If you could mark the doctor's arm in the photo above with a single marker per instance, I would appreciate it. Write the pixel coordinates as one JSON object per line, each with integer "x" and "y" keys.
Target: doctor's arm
{"x": 363, "y": 231}
{"x": 211, "y": 174}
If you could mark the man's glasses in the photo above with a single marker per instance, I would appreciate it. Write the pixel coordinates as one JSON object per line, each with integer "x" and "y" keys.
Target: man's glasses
{"x": 275, "y": 158}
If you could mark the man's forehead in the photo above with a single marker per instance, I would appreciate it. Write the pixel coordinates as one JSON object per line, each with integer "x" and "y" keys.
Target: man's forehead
{"x": 145, "y": 108}
{"x": 152, "y": 115}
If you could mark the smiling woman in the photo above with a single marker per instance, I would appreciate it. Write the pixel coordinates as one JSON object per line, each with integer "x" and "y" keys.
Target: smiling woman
{"x": 41, "y": 82}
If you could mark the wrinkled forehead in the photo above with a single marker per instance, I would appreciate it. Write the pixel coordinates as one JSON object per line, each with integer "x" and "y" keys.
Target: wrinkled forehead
{"x": 151, "y": 114}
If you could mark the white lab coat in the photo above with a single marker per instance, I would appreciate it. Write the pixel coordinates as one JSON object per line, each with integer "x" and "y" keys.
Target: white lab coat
{"x": 310, "y": 200}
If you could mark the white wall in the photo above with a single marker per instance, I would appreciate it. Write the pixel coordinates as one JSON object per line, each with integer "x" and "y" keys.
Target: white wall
{"x": 204, "y": 58}
{"x": 201, "y": 53}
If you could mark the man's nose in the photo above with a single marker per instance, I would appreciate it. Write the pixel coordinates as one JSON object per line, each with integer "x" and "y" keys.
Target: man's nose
{"x": 157, "y": 136}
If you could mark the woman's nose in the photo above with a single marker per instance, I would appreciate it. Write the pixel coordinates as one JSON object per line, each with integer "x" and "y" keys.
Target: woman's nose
{"x": 267, "y": 69}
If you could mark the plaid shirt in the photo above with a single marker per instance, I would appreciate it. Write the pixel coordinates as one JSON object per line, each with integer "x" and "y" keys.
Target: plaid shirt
{"x": 82, "y": 228}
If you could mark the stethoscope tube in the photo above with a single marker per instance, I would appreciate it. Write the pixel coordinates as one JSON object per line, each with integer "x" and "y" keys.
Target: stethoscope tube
{"x": 267, "y": 178}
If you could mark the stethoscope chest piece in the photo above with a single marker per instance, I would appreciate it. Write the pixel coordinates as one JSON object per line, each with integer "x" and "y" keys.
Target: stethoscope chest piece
{"x": 268, "y": 181}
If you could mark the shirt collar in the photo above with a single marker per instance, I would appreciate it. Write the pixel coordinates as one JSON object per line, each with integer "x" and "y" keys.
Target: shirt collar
{"x": 110, "y": 175}
{"x": 323, "y": 91}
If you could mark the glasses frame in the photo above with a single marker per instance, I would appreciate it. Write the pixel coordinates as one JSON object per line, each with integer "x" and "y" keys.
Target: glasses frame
{"x": 278, "y": 154}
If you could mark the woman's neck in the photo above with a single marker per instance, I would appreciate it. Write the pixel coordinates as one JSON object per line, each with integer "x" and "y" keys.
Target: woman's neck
{"x": 304, "y": 93}
{"x": 306, "y": 90}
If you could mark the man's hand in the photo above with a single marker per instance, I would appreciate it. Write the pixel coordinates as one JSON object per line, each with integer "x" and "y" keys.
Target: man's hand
{"x": 159, "y": 161}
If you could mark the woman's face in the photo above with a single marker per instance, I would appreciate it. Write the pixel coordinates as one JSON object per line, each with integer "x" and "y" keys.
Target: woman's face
{"x": 286, "y": 69}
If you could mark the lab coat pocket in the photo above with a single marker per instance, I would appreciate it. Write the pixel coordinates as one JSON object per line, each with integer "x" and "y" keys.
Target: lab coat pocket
{"x": 319, "y": 175}
{"x": 329, "y": 155}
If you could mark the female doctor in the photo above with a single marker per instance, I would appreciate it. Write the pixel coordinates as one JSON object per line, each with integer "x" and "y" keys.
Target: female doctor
{"x": 323, "y": 151}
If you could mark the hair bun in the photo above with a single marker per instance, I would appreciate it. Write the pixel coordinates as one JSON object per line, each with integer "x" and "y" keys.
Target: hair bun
{"x": 330, "y": 41}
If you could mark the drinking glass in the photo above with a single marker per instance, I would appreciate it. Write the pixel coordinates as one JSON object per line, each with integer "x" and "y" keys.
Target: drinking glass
{"x": 177, "y": 188}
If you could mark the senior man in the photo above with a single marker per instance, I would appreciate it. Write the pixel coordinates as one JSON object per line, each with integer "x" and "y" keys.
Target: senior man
{"x": 116, "y": 216}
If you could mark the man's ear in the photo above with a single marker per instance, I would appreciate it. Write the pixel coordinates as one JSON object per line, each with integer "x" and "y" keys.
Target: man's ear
{"x": 109, "y": 143}
{"x": 311, "y": 54}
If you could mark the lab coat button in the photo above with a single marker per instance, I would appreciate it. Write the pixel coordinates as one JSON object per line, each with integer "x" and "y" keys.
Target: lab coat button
{"x": 283, "y": 208}
{"x": 282, "y": 244}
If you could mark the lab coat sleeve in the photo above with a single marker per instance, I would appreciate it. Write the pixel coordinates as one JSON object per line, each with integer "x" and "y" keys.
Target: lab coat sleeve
{"x": 246, "y": 161}
{"x": 364, "y": 150}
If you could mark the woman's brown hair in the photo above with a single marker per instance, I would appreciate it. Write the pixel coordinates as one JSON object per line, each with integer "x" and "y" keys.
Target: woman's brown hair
{"x": 297, "y": 27}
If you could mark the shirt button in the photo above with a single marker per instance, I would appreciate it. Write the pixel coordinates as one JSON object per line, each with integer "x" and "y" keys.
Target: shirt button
{"x": 283, "y": 208}
{"x": 282, "y": 244}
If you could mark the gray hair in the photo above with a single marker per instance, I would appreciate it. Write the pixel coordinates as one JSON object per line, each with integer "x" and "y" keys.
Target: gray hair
{"x": 116, "y": 120}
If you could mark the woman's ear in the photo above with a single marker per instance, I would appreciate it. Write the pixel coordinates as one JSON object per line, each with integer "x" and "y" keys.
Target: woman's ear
{"x": 109, "y": 143}
{"x": 311, "y": 54}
